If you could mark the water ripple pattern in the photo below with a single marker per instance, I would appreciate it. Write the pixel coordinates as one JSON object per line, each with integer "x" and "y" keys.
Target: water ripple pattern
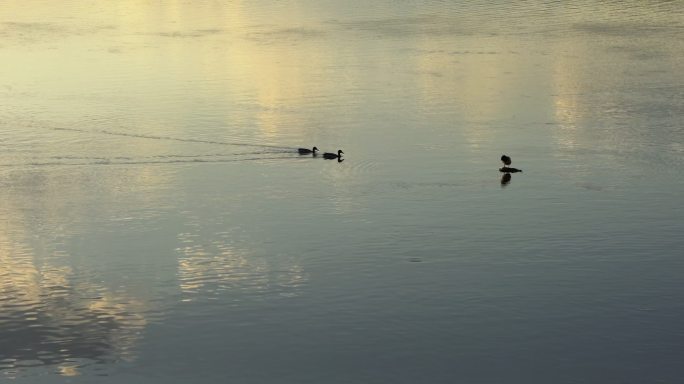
{"x": 57, "y": 317}
{"x": 218, "y": 270}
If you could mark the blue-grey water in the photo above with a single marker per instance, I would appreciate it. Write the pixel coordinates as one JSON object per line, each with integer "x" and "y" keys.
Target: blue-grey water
{"x": 157, "y": 224}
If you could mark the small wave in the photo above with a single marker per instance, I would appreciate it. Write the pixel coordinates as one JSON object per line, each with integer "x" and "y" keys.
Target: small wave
{"x": 429, "y": 185}
{"x": 147, "y": 161}
{"x": 166, "y": 156}
{"x": 362, "y": 166}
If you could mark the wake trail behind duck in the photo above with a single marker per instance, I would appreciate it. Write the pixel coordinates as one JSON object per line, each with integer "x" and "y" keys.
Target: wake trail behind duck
{"x": 171, "y": 138}
{"x": 133, "y": 161}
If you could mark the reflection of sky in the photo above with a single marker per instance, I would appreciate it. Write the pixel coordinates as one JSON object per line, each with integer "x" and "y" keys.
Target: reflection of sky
{"x": 606, "y": 89}
{"x": 215, "y": 267}
{"x": 55, "y": 310}
{"x": 250, "y": 73}
{"x": 52, "y": 317}
{"x": 70, "y": 294}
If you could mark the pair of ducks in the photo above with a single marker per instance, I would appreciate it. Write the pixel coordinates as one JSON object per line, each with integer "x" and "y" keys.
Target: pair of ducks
{"x": 327, "y": 155}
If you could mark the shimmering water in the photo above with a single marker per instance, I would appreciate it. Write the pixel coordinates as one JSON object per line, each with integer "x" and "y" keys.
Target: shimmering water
{"x": 158, "y": 224}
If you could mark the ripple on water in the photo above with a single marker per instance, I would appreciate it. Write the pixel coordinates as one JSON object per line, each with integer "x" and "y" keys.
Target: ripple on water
{"x": 361, "y": 166}
{"x": 54, "y": 316}
{"x": 119, "y": 146}
{"x": 215, "y": 268}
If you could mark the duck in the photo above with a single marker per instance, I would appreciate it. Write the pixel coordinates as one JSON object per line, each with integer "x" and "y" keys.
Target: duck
{"x": 506, "y": 168}
{"x": 329, "y": 155}
{"x": 306, "y": 151}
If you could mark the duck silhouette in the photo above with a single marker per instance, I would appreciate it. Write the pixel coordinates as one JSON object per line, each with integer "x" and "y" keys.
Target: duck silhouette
{"x": 306, "y": 151}
{"x": 331, "y": 156}
{"x": 506, "y": 160}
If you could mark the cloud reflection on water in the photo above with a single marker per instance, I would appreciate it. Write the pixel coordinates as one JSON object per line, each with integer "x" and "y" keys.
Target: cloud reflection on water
{"x": 51, "y": 316}
{"x": 209, "y": 268}
{"x": 55, "y": 313}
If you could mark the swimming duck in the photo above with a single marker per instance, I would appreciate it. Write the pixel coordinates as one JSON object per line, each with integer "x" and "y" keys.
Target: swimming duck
{"x": 329, "y": 155}
{"x": 506, "y": 160}
{"x": 305, "y": 151}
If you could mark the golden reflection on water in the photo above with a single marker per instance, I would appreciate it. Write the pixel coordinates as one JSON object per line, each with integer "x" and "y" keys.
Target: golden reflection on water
{"x": 235, "y": 49}
{"x": 53, "y": 291}
{"x": 208, "y": 269}
{"x": 68, "y": 370}
{"x": 63, "y": 312}
{"x": 57, "y": 316}
{"x": 566, "y": 99}
{"x": 51, "y": 311}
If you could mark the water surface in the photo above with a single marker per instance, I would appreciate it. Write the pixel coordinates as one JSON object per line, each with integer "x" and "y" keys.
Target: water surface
{"x": 158, "y": 224}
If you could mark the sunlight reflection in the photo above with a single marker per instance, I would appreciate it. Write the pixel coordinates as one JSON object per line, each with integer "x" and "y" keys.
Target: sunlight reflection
{"x": 567, "y": 94}
{"x": 209, "y": 269}
{"x": 50, "y": 316}
{"x": 53, "y": 313}
{"x": 68, "y": 370}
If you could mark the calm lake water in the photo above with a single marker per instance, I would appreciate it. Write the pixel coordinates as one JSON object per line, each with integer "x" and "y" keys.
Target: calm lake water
{"x": 159, "y": 226}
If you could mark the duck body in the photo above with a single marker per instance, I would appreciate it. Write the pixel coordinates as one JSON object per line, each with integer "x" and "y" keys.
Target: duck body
{"x": 306, "y": 151}
{"x": 329, "y": 155}
{"x": 509, "y": 170}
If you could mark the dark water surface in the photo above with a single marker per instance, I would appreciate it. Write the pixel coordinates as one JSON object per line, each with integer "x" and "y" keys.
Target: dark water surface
{"x": 158, "y": 225}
